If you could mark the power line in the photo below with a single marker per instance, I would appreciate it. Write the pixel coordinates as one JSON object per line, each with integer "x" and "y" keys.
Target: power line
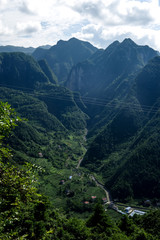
{"x": 88, "y": 100}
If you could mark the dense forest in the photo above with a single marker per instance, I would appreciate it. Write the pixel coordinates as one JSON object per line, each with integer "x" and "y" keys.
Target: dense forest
{"x": 79, "y": 142}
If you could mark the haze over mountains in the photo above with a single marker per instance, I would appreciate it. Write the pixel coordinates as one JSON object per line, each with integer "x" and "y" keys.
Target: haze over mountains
{"x": 29, "y": 50}
{"x": 113, "y": 93}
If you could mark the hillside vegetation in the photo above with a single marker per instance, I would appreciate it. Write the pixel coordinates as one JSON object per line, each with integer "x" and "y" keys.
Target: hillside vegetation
{"x": 100, "y": 125}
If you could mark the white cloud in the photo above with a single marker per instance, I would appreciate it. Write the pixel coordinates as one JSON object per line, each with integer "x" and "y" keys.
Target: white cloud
{"x": 4, "y": 31}
{"x": 28, "y": 27}
{"x": 99, "y": 21}
{"x": 35, "y": 7}
{"x": 119, "y": 12}
{"x": 27, "y": 8}
{"x": 118, "y": 19}
{"x": 3, "y": 3}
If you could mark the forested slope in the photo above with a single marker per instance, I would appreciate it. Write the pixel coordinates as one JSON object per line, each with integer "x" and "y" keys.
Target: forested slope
{"x": 126, "y": 151}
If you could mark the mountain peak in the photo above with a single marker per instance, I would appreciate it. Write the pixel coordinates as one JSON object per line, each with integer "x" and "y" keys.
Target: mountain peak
{"x": 73, "y": 39}
{"x": 59, "y": 43}
{"x": 128, "y": 41}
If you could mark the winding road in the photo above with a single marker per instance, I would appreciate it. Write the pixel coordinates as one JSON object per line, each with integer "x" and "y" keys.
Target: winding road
{"x": 108, "y": 197}
{"x": 103, "y": 187}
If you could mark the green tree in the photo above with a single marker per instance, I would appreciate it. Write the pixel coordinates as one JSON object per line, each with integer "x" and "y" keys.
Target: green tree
{"x": 126, "y": 225}
{"x": 19, "y": 200}
{"x": 8, "y": 120}
{"x": 100, "y": 222}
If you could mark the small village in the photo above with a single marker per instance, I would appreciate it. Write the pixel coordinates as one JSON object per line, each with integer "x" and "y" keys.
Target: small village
{"x": 107, "y": 202}
{"x": 130, "y": 211}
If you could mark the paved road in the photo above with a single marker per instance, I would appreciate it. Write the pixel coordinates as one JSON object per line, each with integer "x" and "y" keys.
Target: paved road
{"x": 93, "y": 178}
{"x": 103, "y": 187}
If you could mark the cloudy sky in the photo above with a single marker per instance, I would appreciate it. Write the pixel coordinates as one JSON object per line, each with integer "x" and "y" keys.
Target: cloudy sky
{"x": 39, "y": 22}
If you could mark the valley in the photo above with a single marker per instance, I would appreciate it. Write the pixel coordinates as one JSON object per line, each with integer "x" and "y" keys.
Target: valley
{"x": 89, "y": 129}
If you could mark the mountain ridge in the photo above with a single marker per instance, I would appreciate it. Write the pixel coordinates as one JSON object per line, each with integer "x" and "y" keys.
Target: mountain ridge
{"x": 118, "y": 60}
{"x": 62, "y": 56}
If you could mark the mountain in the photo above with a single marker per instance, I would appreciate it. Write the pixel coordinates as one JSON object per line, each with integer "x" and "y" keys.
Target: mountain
{"x": 18, "y": 70}
{"x": 143, "y": 162}
{"x": 104, "y": 80}
{"x": 126, "y": 150}
{"x": 52, "y": 133}
{"x": 46, "y": 127}
{"x": 26, "y": 50}
{"x": 22, "y": 72}
{"x": 50, "y": 143}
{"x": 10, "y": 48}
{"x": 64, "y": 55}
{"x": 148, "y": 84}
{"x": 117, "y": 104}
{"x": 102, "y": 74}
{"x": 47, "y": 46}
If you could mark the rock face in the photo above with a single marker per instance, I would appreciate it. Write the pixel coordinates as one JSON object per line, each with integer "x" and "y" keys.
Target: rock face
{"x": 95, "y": 76}
{"x": 79, "y": 85}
